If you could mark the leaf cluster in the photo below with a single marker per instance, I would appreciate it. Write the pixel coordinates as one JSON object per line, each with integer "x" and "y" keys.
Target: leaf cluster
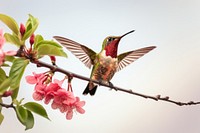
{"x": 11, "y": 81}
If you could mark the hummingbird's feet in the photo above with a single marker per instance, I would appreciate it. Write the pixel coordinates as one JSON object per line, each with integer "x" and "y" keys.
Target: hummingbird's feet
{"x": 112, "y": 86}
{"x": 109, "y": 83}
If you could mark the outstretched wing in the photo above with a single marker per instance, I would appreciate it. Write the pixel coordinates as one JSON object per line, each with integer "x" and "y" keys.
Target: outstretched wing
{"x": 127, "y": 58}
{"x": 83, "y": 53}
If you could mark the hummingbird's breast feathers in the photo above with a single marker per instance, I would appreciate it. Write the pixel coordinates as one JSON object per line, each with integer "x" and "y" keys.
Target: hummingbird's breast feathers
{"x": 107, "y": 60}
{"x": 105, "y": 67}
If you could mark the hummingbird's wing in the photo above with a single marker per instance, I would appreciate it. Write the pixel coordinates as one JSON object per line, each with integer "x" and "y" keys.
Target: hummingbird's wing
{"x": 85, "y": 54}
{"x": 127, "y": 58}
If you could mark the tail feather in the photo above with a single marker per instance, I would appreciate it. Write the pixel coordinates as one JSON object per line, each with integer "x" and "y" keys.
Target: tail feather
{"x": 91, "y": 91}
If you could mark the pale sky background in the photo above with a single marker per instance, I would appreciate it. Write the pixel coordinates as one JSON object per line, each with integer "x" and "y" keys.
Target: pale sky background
{"x": 172, "y": 69}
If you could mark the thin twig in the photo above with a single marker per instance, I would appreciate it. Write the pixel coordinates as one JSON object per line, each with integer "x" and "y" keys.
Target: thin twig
{"x": 7, "y": 105}
{"x": 156, "y": 98}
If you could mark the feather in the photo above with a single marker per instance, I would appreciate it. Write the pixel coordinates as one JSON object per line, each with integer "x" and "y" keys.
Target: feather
{"x": 127, "y": 58}
{"x": 83, "y": 53}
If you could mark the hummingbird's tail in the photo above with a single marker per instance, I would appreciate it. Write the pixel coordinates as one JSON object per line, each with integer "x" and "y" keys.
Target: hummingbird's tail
{"x": 90, "y": 88}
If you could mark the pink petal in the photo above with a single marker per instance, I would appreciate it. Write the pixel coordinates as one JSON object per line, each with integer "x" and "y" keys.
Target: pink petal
{"x": 55, "y": 105}
{"x": 80, "y": 110}
{"x": 31, "y": 79}
{"x": 37, "y": 96}
{"x": 69, "y": 101}
{"x": 40, "y": 88}
{"x": 2, "y": 39}
{"x": 53, "y": 88}
{"x": 63, "y": 109}
{"x": 69, "y": 115}
{"x": 1, "y": 32}
{"x": 2, "y": 56}
{"x": 38, "y": 75}
{"x": 80, "y": 104}
{"x": 59, "y": 82}
{"x": 11, "y": 53}
{"x": 48, "y": 99}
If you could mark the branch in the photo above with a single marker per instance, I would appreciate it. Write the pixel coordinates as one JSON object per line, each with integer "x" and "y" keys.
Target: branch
{"x": 7, "y": 105}
{"x": 70, "y": 74}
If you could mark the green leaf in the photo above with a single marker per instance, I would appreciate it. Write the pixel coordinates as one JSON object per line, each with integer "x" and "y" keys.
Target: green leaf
{"x": 25, "y": 117}
{"x": 36, "y": 108}
{"x": 31, "y": 25}
{"x": 17, "y": 71}
{"x": 46, "y": 49}
{"x": 15, "y": 93}
{"x": 21, "y": 114}
{"x": 10, "y": 22}
{"x": 13, "y": 39}
{"x": 2, "y": 75}
{"x": 4, "y": 85}
{"x": 1, "y": 118}
{"x": 5, "y": 65}
{"x": 29, "y": 123}
{"x": 48, "y": 43}
{"x": 38, "y": 39}
{"x": 9, "y": 58}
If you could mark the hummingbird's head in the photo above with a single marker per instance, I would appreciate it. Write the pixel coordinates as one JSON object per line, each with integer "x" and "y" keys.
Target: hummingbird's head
{"x": 110, "y": 44}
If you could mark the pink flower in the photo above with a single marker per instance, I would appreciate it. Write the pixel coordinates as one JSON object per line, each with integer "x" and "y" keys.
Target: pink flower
{"x": 2, "y": 56}
{"x": 2, "y": 53}
{"x": 62, "y": 99}
{"x": 39, "y": 92}
{"x": 51, "y": 92}
{"x": 40, "y": 87}
{"x": 52, "y": 89}
{"x": 2, "y": 39}
{"x": 77, "y": 105}
{"x": 59, "y": 82}
{"x": 36, "y": 78}
{"x": 69, "y": 113}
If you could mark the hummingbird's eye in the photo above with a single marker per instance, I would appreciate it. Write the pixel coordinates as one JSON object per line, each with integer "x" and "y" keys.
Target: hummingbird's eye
{"x": 110, "y": 39}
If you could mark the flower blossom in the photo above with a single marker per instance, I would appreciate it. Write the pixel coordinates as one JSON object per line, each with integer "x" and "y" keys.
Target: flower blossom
{"x": 40, "y": 87}
{"x": 36, "y": 78}
{"x": 62, "y": 99}
{"x": 2, "y": 53}
{"x": 2, "y": 39}
{"x": 51, "y": 92}
{"x": 77, "y": 105}
{"x": 39, "y": 93}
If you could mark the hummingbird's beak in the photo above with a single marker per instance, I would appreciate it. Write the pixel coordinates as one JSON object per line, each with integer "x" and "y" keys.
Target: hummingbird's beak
{"x": 127, "y": 33}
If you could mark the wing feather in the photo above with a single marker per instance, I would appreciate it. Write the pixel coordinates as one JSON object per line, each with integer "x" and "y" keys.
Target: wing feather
{"x": 83, "y": 53}
{"x": 127, "y": 58}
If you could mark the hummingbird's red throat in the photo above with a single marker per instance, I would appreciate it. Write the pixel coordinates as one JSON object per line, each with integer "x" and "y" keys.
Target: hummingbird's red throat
{"x": 111, "y": 49}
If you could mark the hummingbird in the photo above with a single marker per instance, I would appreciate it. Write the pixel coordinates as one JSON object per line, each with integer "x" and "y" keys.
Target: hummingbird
{"x": 105, "y": 63}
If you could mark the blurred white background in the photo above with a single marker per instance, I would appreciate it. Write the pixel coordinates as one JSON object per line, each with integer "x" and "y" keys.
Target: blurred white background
{"x": 172, "y": 69}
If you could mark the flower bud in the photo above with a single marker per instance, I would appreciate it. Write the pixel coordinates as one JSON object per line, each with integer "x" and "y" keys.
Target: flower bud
{"x": 53, "y": 59}
{"x": 32, "y": 39}
{"x": 7, "y": 93}
{"x": 22, "y": 29}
